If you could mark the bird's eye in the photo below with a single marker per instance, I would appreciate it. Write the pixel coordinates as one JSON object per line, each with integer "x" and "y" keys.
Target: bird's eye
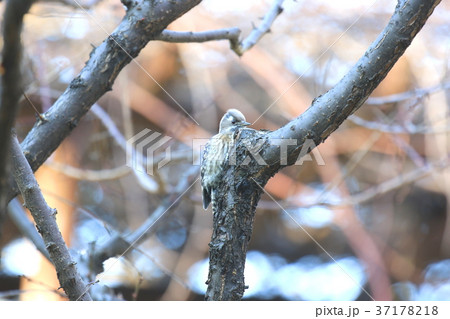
{"x": 233, "y": 122}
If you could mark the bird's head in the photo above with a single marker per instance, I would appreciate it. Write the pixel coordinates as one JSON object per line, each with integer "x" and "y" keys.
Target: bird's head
{"x": 233, "y": 118}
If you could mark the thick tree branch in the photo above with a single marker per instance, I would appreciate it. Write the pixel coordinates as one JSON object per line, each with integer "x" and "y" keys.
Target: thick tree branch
{"x": 26, "y": 227}
{"x": 11, "y": 84}
{"x": 143, "y": 21}
{"x": 234, "y": 206}
{"x": 258, "y": 155}
{"x": 329, "y": 110}
{"x": 44, "y": 217}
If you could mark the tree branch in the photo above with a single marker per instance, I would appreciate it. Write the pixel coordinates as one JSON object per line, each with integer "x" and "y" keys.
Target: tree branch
{"x": 240, "y": 187}
{"x": 329, "y": 110}
{"x": 147, "y": 182}
{"x": 413, "y": 94}
{"x": 44, "y": 217}
{"x": 234, "y": 205}
{"x": 26, "y": 227}
{"x": 231, "y": 34}
{"x": 143, "y": 21}
{"x": 75, "y": 4}
{"x": 396, "y": 182}
{"x": 262, "y": 29}
{"x": 89, "y": 174}
{"x": 119, "y": 244}
{"x": 397, "y": 128}
{"x": 11, "y": 86}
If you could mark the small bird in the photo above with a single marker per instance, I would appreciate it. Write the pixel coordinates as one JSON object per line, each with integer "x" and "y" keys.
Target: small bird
{"x": 217, "y": 152}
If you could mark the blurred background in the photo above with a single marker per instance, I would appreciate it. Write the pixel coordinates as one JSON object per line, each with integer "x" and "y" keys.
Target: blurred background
{"x": 370, "y": 221}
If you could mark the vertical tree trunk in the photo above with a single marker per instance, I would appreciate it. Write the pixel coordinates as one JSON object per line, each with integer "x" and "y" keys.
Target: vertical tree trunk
{"x": 234, "y": 204}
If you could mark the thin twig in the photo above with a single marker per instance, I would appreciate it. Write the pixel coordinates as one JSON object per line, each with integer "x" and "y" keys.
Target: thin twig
{"x": 34, "y": 107}
{"x": 145, "y": 181}
{"x": 413, "y": 155}
{"x": 395, "y": 128}
{"x": 142, "y": 22}
{"x": 45, "y": 220}
{"x": 262, "y": 29}
{"x": 16, "y": 293}
{"x": 47, "y": 287}
{"x": 396, "y": 183}
{"x": 76, "y": 4}
{"x": 116, "y": 240}
{"x": 375, "y": 191}
{"x": 416, "y": 93}
{"x": 118, "y": 244}
{"x": 231, "y": 34}
{"x": 89, "y": 174}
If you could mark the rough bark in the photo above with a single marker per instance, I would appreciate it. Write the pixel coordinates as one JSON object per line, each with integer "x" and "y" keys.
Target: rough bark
{"x": 143, "y": 21}
{"x": 45, "y": 220}
{"x": 234, "y": 205}
{"x": 242, "y": 185}
{"x": 11, "y": 84}
{"x": 329, "y": 110}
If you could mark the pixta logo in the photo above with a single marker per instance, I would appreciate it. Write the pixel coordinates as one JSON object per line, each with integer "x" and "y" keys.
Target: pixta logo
{"x": 149, "y": 150}
{"x": 143, "y": 148}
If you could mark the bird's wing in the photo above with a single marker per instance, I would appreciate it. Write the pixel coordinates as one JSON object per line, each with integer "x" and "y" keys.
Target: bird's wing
{"x": 206, "y": 192}
{"x": 203, "y": 157}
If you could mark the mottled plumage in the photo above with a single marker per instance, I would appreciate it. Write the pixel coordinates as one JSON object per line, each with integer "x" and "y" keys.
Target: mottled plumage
{"x": 217, "y": 151}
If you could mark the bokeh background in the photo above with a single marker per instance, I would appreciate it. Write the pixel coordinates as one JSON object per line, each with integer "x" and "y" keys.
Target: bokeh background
{"x": 370, "y": 222}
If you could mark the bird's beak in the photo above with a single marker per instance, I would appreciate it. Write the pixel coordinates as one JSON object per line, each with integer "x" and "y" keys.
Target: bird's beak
{"x": 245, "y": 123}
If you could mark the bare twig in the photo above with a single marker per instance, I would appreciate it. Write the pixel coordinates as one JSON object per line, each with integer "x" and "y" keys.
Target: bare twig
{"x": 11, "y": 86}
{"x": 44, "y": 285}
{"x": 44, "y": 217}
{"x": 119, "y": 244}
{"x": 413, "y": 155}
{"x": 396, "y": 183}
{"x": 33, "y": 107}
{"x": 147, "y": 182}
{"x": 329, "y": 110}
{"x": 231, "y": 34}
{"x": 143, "y": 21}
{"x": 262, "y": 29}
{"x": 395, "y": 128}
{"x": 89, "y": 174}
{"x": 240, "y": 187}
{"x": 377, "y": 190}
{"x": 399, "y": 97}
{"x": 76, "y": 4}
{"x": 171, "y": 201}
{"x": 26, "y": 227}
{"x": 16, "y": 293}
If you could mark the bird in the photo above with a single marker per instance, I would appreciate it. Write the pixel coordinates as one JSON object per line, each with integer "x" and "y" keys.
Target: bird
{"x": 217, "y": 151}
